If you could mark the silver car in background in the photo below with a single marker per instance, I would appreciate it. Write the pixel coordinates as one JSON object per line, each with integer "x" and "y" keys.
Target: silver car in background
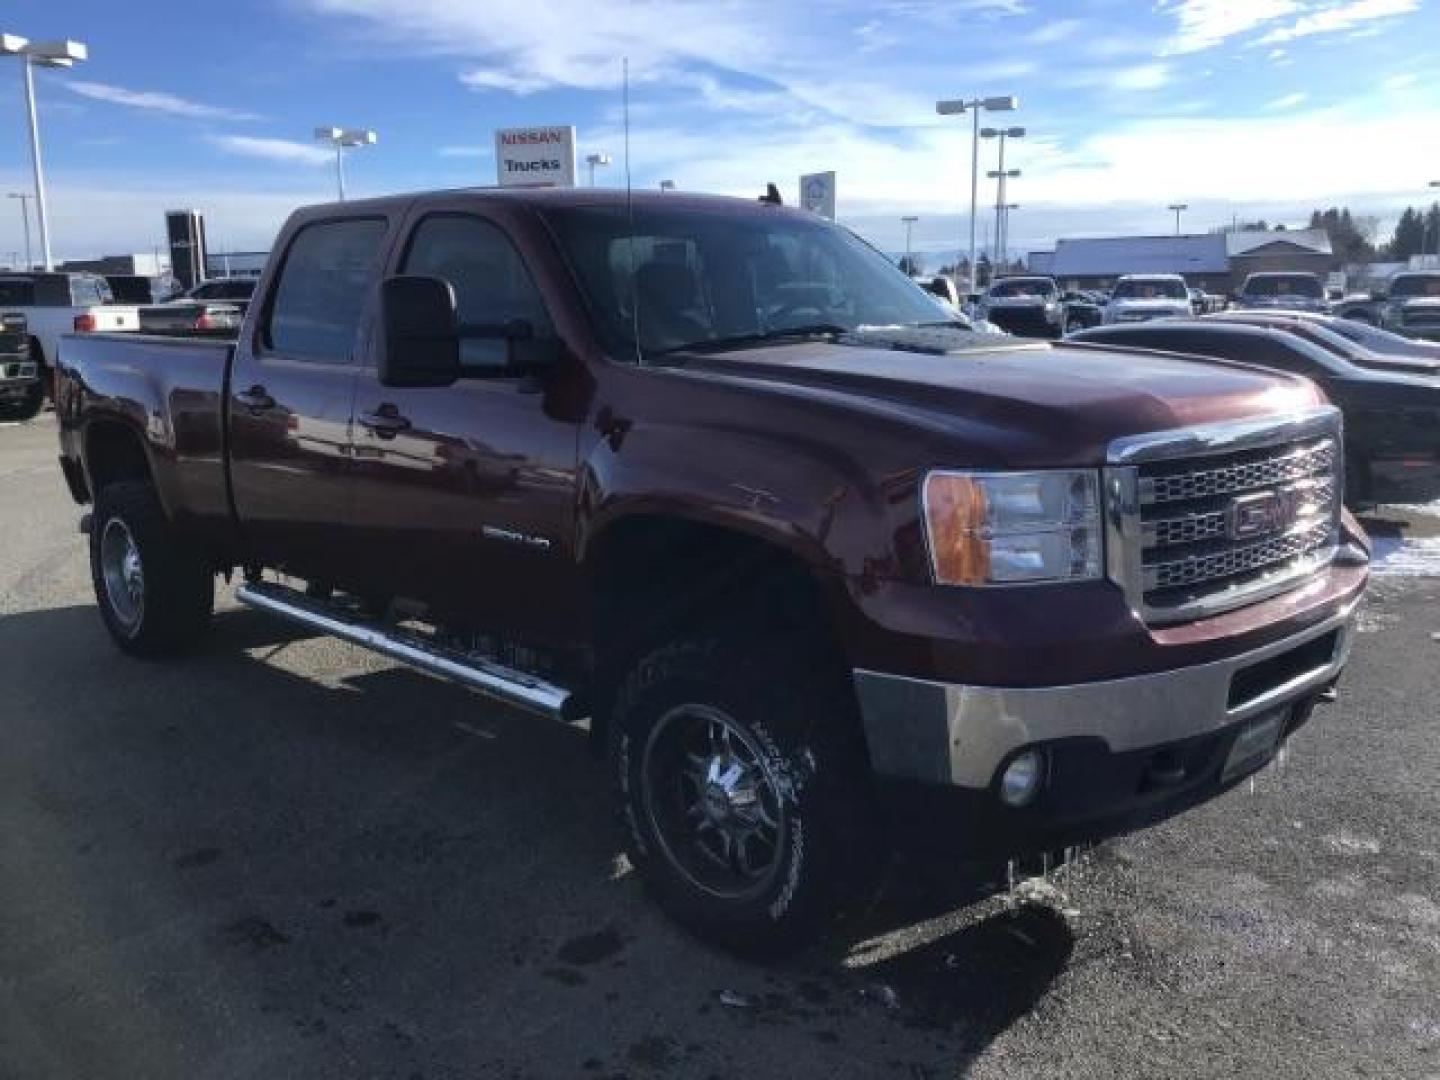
{"x": 1141, "y": 297}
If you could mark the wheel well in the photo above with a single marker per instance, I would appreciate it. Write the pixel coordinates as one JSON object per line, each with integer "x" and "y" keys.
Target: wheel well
{"x": 113, "y": 452}
{"x": 651, "y": 575}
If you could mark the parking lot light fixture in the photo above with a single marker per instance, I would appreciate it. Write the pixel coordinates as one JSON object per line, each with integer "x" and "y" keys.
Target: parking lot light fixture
{"x": 54, "y": 54}
{"x": 956, "y": 107}
{"x": 667, "y": 185}
{"x": 592, "y": 160}
{"x": 1179, "y": 209}
{"x": 1000, "y": 175}
{"x": 342, "y": 139}
{"x": 24, "y": 198}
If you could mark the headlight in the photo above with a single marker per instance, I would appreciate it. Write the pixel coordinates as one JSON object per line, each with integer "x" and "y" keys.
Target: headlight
{"x": 1013, "y": 527}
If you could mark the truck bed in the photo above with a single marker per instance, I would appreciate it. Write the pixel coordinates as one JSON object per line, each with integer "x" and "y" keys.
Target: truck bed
{"x": 170, "y": 387}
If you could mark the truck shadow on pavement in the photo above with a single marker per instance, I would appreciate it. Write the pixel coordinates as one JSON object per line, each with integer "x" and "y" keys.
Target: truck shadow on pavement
{"x": 323, "y": 851}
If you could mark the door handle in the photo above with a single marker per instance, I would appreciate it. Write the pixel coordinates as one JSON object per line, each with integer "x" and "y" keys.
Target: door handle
{"x": 386, "y": 421}
{"x": 255, "y": 399}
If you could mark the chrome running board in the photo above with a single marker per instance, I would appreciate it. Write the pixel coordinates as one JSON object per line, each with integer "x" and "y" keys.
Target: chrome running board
{"x": 495, "y": 680}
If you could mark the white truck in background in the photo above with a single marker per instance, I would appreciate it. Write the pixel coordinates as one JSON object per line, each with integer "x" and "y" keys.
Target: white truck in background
{"x": 54, "y": 304}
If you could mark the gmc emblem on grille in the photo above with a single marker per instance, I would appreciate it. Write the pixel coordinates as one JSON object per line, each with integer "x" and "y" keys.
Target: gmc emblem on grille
{"x": 1263, "y": 513}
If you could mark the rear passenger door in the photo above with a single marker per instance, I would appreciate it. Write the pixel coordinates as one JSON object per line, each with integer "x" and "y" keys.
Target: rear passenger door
{"x": 465, "y": 495}
{"x": 291, "y": 393}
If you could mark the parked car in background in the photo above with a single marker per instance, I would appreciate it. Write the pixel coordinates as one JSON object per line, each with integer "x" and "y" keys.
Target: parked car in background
{"x": 1392, "y": 418}
{"x": 1081, "y": 310}
{"x": 1286, "y": 291}
{"x": 1373, "y": 346}
{"x": 828, "y": 574}
{"x": 1140, "y": 297}
{"x": 22, "y": 394}
{"x": 231, "y": 290}
{"x": 191, "y": 316}
{"x": 55, "y": 304}
{"x": 140, "y": 288}
{"x": 1410, "y": 304}
{"x": 1029, "y": 305}
{"x": 1199, "y": 302}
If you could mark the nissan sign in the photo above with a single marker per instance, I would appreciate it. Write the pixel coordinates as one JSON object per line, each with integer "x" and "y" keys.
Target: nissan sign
{"x": 535, "y": 156}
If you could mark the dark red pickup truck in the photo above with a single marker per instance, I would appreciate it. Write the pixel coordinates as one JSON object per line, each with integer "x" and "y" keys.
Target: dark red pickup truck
{"x": 826, "y": 572}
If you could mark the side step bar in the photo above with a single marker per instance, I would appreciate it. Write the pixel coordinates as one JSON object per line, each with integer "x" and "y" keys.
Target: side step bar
{"x": 499, "y": 682}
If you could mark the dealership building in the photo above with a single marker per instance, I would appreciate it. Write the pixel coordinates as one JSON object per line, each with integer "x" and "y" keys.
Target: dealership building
{"x": 1214, "y": 262}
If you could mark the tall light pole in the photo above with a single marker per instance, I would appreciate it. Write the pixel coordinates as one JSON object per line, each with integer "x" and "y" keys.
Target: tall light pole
{"x": 592, "y": 160}
{"x": 55, "y": 54}
{"x": 909, "y": 220}
{"x": 1005, "y": 229}
{"x": 1179, "y": 209}
{"x": 1433, "y": 184}
{"x": 25, "y": 221}
{"x": 954, "y": 107}
{"x": 1001, "y": 175}
{"x": 342, "y": 139}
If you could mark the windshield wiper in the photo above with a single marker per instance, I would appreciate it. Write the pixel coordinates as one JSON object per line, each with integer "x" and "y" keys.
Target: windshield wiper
{"x": 739, "y": 341}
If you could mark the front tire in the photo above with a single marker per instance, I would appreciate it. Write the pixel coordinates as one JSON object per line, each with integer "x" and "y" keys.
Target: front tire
{"x": 742, "y": 790}
{"x": 154, "y": 592}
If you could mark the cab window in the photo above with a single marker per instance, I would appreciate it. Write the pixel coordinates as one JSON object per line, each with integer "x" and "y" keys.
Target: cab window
{"x": 492, "y": 286}
{"x": 326, "y": 278}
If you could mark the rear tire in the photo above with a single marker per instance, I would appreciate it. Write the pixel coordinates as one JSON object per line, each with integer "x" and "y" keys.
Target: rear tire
{"x": 742, "y": 787}
{"x": 27, "y": 408}
{"x": 154, "y": 591}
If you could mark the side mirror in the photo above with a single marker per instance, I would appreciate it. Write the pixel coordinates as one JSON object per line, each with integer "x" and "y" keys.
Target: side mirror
{"x": 943, "y": 288}
{"x": 525, "y": 351}
{"x": 419, "y": 341}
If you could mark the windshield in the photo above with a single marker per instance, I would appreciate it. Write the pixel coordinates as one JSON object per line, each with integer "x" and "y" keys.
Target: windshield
{"x": 1023, "y": 287}
{"x": 1151, "y": 289}
{"x": 687, "y": 277}
{"x": 1306, "y": 285}
{"x": 1416, "y": 285}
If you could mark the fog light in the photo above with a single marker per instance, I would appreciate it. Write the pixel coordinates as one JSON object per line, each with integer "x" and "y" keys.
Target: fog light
{"x": 1022, "y": 778}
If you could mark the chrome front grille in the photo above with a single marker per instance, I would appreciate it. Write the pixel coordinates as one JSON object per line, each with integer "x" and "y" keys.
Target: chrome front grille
{"x": 1191, "y": 484}
{"x": 1205, "y": 519}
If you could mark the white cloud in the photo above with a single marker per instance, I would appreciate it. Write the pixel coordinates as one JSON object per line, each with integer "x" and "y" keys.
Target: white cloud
{"x": 154, "y": 101}
{"x": 1142, "y": 77}
{"x": 283, "y": 150}
{"x": 465, "y": 151}
{"x": 1400, "y": 82}
{"x": 1329, "y": 20}
{"x": 1055, "y": 30}
{"x": 1203, "y": 24}
{"x": 1288, "y": 101}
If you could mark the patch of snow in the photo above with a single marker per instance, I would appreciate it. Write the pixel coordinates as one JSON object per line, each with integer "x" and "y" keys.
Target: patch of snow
{"x": 1396, "y": 557}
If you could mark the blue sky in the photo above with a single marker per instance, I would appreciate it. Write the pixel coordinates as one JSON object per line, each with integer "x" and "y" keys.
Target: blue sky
{"x": 1263, "y": 108}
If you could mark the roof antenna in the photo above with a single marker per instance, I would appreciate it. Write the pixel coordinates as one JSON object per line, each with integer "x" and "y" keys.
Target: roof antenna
{"x": 630, "y": 215}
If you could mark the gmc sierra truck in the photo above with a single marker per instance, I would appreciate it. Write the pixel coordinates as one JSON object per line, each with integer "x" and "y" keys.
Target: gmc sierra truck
{"x": 826, "y": 573}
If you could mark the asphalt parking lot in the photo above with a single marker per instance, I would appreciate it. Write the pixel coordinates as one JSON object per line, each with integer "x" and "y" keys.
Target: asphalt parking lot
{"x": 282, "y": 857}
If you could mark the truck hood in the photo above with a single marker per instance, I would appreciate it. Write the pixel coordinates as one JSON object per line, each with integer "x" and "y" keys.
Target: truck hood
{"x": 1159, "y": 304}
{"x": 1018, "y": 301}
{"x": 1022, "y": 404}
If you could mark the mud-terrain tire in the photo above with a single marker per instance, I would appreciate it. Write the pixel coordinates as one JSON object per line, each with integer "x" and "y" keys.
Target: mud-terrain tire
{"x": 154, "y": 591}
{"x": 731, "y": 734}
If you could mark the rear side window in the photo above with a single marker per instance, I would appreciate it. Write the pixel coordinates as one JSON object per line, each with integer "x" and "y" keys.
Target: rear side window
{"x": 235, "y": 290}
{"x": 326, "y": 277}
{"x": 17, "y": 293}
{"x": 492, "y": 286}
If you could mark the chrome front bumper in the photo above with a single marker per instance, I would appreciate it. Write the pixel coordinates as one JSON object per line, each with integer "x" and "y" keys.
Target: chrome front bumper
{"x": 948, "y": 733}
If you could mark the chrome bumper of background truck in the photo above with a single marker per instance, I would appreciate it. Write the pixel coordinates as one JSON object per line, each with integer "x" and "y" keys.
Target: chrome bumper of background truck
{"x": 948, "y": 733}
